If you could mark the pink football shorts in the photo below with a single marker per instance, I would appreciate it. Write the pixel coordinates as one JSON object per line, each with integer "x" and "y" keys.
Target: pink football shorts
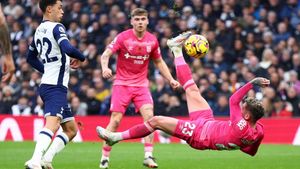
{"x": 123, "y": 95}
{"x": 190, "y": 130}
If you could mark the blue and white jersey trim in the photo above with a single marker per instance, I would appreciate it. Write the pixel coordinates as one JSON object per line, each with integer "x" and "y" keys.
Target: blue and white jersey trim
{"x": 47, "y": 39}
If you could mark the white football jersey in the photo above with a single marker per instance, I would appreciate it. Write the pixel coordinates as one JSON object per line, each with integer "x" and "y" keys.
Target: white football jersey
{"x": 47, "y": 37}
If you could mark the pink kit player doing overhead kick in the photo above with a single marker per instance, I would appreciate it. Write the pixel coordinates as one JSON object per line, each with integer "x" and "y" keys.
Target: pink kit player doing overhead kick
{"x": 202, "y": 131}
{"x": 135, "y": 47}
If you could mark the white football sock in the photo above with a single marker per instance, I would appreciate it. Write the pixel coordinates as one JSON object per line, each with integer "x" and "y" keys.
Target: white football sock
{"x": 104, "y": 158}
{"x": 42, "y": 143}
{"x": 177, "y": 51}
{"x": 148, "y": 154}
{"x": 57, "y": 145}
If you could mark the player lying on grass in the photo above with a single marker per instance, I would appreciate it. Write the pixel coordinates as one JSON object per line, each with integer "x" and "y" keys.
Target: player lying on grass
{"x": 202, "y": 131}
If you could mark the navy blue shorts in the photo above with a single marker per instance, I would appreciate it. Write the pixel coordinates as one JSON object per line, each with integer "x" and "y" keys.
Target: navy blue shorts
{"x": 55, "y": 101}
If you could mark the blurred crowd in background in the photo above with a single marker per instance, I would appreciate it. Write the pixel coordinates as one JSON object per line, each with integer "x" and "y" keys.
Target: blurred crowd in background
{"x": 247, "y": 39}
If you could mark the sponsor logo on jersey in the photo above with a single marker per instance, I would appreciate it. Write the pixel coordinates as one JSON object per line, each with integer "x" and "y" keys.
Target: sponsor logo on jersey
{"x": 145, "y": 57}
{"x": 61, "y": 30}
{"x": 148, "y": 49}
{"x": 242, "y": 124}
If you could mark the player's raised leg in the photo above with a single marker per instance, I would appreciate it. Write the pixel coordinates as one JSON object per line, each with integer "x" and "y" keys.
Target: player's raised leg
{"x": 195, "y": 101}
{"x": 167, "y": 124}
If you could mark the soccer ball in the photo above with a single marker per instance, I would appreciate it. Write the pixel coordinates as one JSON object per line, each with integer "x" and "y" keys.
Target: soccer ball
{"x": 196, "y": 46}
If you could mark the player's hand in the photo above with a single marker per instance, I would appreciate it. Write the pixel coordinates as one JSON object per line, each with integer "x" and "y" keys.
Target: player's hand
{"x": 8, "y": 68}
{"x": 174, "y": 84}
{"x": 75, "y": 63}
{"x": 107, "y": 73}
{"x": 260, "y": 81}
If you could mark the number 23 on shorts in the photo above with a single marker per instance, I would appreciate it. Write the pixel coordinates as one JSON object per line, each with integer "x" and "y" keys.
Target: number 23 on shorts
{"x": 188, "y": 128}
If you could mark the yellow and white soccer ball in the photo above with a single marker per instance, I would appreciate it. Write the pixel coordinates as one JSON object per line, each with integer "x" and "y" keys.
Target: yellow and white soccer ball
{"x": 196, "y": 46}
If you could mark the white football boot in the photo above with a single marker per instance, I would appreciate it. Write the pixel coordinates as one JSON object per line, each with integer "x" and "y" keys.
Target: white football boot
{"x": 105, "y": 135}
{"x": 32, "y": 165}
{"x": 150, "y": 162}
{"x": 104, "y": 162}
{"x": 178, "y": 40}
{"x": 46, "y": 164}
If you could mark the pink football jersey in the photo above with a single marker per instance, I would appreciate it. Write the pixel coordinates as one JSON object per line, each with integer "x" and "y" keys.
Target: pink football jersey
{"x": 133, "y": 57}
{"x": 235, "y": 133}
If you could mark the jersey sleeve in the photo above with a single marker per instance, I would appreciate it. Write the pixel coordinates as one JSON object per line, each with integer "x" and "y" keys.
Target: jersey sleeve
{"x": 59, "y": 33}
{"x": 252, "y": 150}
{"x": 115, "y": 45}
{"x": 156, "y": 54}
{"x": 235, "y": 99}
{"x": 32, "y": 58}
{"x": 60, "y": 36}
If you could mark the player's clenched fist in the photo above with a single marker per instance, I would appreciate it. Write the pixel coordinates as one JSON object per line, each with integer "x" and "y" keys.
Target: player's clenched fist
{"x": 107, "y": 73}
{"x": 8, "y": 68}
{"x": 75, "y": 63}
{"x": 174, "y": 84}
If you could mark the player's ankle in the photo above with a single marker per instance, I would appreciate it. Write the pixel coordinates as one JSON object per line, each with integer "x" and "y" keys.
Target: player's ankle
{"x": 148, "y": 154}
{"x": 177, "y": 51}
{"x": 104, "y": 158}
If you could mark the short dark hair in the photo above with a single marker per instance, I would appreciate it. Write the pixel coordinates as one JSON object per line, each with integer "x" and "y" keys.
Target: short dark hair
{"x": 44, "y": 3}
{"x": 255, "y": 107}
{"x": 139, "y": 12}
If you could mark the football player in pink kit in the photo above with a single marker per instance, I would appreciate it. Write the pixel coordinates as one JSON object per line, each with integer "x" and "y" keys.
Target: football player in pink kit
{"x": 202, "y": 131}
{"x": 135, "y": 47}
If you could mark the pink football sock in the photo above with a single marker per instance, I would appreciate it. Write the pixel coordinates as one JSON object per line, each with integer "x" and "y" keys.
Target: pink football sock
{"x": 184, "y": 76}
{"x": 137, "y": 131}
{"x": 148, "y": 147}
{"x": 106, "y": 150}
{"x": 179, "y": 61}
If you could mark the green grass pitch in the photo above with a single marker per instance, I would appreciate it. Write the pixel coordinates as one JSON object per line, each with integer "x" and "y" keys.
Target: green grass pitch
{"x": 169, "y": 156}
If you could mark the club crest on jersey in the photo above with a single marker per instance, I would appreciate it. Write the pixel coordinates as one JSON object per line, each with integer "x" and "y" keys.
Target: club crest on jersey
{"x": 148, "y": 49}
{"x": 130, "y": 48}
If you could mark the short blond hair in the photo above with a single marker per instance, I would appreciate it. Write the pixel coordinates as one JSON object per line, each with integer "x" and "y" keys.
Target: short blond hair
{"x": 255, "y": 107}
{"x": 139, "y": 12}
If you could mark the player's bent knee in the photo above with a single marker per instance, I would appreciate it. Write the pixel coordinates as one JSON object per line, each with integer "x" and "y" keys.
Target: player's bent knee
{"x": 73, "y": 133}
{"x": 70, "y": 130}
{"x": 147, "y": 117}
{"x": 52, "y": 126}
{"x": 156, "y": 121}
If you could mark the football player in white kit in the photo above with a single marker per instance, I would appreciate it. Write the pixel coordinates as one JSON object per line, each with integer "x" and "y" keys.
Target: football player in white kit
{"x": 50, "y": 53}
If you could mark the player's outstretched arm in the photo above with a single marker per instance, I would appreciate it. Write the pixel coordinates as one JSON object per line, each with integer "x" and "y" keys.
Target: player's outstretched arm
{"x": 8, "y": 66}
{"x": 106, "y": 71}
{"x": 240, "y": 93}
{"x": 67, "y": 48}
{"x": 59, "y": 33}
{"x": 260, "y": 81}
{"x": 164, "y": 70}
{"x": 237, "y": 97}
